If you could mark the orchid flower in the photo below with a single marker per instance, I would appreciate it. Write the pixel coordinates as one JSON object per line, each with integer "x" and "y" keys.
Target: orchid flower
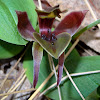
{"x": 53, "y": 42}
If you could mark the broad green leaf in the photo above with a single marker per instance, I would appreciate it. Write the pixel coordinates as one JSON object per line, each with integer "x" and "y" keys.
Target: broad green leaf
{"x": 8, "y": 50}
{"x": 8, "y": 19}
{"x": 86, "y": 84}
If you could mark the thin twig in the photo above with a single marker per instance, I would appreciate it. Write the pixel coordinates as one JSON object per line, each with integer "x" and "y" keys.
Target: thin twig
{"x": 21, "y": 91}
{"x": 9, "y": 73}
{"x": 52, "y": 65}
{"x": 17, "y": 80}
{"x": 92, "y": 12}
{"x": 19, "y": 83}
{"x": 15, "y": 86}
{"x": 73, "y": 83}
{"x": 64, "y": 78}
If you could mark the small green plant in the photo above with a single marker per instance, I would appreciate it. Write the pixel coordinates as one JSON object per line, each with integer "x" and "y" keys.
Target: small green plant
{"x": 20, "y": 27}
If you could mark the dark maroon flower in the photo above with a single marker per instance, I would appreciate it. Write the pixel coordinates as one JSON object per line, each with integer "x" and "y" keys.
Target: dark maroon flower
{"x": 54, "y": 42}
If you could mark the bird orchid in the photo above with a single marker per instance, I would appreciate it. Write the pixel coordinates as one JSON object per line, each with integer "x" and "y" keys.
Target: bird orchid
{"x": 53, "y": 42}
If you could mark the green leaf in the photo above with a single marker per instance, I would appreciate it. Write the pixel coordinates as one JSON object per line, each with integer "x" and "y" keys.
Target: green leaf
{"x": 8, "y": 50}
{"x": 86, "y": 84}
{"x": 8, "y": 19}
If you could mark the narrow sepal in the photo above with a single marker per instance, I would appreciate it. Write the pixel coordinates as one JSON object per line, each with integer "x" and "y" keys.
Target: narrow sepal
{"x": 37, "y": 52}
{"x": 60, "y": 68}
{"x": 71, "y": 22}
{"x": 24, "y": 26}
{"x": 56, "y": 48}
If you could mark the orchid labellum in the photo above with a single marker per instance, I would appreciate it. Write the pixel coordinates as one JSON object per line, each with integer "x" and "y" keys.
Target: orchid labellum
{"x": 53, "y": 42}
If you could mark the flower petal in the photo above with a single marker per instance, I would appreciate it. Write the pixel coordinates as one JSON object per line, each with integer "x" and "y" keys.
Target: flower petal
{"x": 71, "y": 22}
{"x": 24, "y": 26}
{"x": 56, "y": 48}
{"x": 46, "y": 19}
{"x": 60, "y": 68}
{"x": 37, "y": 57}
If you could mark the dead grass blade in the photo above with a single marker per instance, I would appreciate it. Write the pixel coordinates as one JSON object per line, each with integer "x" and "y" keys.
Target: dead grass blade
{"x": 16, "y": 84}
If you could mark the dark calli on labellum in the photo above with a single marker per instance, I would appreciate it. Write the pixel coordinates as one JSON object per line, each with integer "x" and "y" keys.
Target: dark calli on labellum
{"x": 53, "y": 42}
